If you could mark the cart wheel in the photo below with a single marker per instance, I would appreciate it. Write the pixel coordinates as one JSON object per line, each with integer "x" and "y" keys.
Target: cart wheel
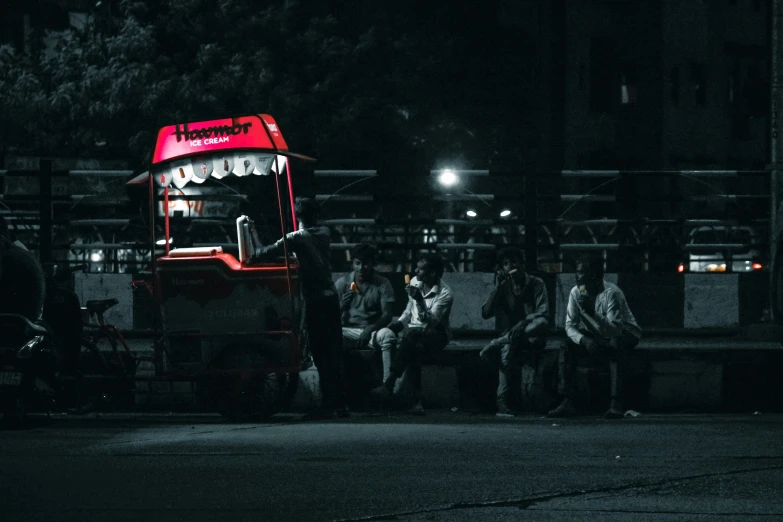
{"x": 247, "y": 398}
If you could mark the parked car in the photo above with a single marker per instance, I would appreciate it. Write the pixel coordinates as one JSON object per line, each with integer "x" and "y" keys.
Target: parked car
{"x": 721, "y": 248}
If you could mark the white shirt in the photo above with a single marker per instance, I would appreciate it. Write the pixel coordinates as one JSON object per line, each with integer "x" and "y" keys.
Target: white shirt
{"x": 437, "y": 302}
{"x": 612, "y": 315}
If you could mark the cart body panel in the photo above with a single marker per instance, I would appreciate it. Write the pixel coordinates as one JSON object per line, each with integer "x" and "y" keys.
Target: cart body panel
{"x": 211, "y": 303}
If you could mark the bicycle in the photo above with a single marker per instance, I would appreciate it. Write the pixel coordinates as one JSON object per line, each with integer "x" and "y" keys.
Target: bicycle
{"x": 100, "y": 377}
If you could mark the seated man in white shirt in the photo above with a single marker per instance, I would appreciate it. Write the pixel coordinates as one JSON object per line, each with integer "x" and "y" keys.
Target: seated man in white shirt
{"x": 423, "y": 327}
{"x": 600, "y": 324}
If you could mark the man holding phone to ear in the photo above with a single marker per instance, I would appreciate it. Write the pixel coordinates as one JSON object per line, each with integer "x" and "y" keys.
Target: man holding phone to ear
{"x": 600, "y": 324}
{"x": 520, "y": 306}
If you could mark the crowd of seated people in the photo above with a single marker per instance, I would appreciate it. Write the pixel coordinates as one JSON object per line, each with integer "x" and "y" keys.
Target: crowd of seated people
{"x": 357, "y": 313}
{"x": 599, "y": 324}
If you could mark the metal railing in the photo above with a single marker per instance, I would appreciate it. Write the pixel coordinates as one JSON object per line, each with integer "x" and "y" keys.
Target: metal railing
{"x": 564, "y": 213}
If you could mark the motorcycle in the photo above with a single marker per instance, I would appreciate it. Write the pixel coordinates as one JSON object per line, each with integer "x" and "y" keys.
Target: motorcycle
{"x": 28, "y": 365}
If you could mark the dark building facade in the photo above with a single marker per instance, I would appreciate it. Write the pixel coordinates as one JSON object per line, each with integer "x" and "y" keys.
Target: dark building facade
{"x": 667, "y": 85}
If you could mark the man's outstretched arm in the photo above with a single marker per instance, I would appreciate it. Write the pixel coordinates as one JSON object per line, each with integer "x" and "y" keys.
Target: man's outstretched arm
{"x": 266, "y": 252}
{"x": 386, "y": 316}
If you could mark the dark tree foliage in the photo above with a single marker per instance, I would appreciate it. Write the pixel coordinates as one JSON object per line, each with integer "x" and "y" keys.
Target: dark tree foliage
{"x": 352, "y": 83}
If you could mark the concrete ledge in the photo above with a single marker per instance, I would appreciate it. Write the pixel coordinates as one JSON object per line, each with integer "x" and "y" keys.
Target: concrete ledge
{"x": 685, "y": 385}
{"x": 655, "y": 343}
{"x": 760, "y": 337}
{"x": 664, "y": 373}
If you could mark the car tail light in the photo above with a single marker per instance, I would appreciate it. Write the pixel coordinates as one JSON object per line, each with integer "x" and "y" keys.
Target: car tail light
{"x": 757, "y": 266}
{"x": 681, "y": 268}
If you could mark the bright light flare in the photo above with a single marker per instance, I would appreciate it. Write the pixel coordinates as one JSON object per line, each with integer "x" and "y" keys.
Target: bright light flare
{"x": 505, "y": 213}
{"x": 757, "y": 266}
{"x": 471, "y": 213}
{"x": 163, "y": 241}
{"x": 681, "y": 268}
{"x": 448, "y": 178}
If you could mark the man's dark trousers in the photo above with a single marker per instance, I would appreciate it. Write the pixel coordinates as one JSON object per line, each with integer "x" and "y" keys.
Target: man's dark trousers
{"x": 613, "y": 351}
{"x": 509, "y": 359}
{"x": 322, "y": 316}
{"x": 417, "y": 346}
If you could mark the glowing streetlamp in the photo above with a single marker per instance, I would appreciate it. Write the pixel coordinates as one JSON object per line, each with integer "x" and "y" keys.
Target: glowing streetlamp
{"x": 505, "y": 213}
{"x": 471, "y": 213}
{"x": 448, "y": 178}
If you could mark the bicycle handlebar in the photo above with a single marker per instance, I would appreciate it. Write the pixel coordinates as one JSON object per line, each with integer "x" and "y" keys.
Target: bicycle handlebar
{"x": 143, "y": 284}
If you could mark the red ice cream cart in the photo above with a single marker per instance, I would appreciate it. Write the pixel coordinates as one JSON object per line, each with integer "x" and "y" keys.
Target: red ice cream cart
{"x": 233, "y": 328}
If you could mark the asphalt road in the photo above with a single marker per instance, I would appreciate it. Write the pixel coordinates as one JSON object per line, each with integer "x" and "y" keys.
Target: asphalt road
{"x": 445, "y": 466}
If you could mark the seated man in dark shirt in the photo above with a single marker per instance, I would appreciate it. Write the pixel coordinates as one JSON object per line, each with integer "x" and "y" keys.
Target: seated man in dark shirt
{"x": 520, "y": 304}
{"x": 366, "y": 301}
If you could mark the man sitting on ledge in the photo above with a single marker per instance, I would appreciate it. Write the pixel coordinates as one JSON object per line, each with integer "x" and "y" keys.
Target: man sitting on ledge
{"x": 366, "y": 304}
{"x": 600, "y": 324}
{"x": 423, "y": 327}
{"x": 520, "y": 304}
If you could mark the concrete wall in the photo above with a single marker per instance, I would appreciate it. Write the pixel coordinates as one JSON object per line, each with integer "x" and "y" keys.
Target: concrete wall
{"x": 710, "y": 301}
{"x": 657, "y": 300}
{"x": 470, "y": 290}
{"x": 108, "y": 286}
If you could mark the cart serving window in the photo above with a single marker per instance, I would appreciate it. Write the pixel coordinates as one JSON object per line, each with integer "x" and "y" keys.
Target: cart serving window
{"x": 234, "y": 326}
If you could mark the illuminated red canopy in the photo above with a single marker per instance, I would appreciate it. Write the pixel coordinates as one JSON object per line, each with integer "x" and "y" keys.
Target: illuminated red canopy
{"x": 256, "y": 132}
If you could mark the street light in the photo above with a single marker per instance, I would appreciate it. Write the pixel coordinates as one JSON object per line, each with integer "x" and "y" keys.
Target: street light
{"x": 448, "y": 178}
{"x": 505, "y": 213}
{"x": 471, "y": 213}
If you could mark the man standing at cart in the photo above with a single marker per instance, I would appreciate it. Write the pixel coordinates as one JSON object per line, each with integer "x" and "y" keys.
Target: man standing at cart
{"x": 366, "y": 303}
{"x": 599, "y": 324}
{"x": 520, "y": 305}
{"x": 310, "y": 243}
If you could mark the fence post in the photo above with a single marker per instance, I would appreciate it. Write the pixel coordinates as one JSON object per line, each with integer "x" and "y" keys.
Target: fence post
{"x": 776, "y": 160}
{"x": 45, "y": 212}
{"x": 531, "y": 222}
